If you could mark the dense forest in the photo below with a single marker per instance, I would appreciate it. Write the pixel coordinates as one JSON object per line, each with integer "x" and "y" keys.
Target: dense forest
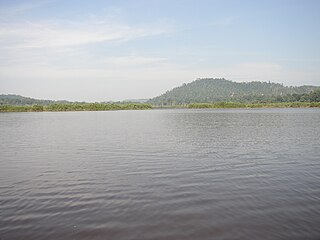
{"x": 210, "y": 90}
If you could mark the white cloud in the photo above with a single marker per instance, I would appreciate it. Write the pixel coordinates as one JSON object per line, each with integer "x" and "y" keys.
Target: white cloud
{"x": 32, "y": 35}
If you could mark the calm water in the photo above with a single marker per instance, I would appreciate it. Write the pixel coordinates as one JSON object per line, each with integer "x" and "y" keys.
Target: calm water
{"x": 160, "y": 174}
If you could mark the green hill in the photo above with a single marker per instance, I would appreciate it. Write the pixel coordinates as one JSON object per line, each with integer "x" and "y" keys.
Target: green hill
{"x": 17, "y": 100}
{"x": 210, "y": 90}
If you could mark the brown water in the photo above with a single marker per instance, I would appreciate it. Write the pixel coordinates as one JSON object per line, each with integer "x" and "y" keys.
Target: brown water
{"x": 160, "y": 174}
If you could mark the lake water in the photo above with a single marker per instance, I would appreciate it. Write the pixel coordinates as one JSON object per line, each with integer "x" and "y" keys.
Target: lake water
{"x": 160, "y": 174}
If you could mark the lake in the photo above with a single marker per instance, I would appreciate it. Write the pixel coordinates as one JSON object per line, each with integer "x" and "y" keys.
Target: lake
{"x": 161, "y": 174}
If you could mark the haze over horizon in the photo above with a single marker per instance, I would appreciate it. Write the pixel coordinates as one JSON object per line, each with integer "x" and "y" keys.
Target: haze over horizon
{"x": 116, "y": 50}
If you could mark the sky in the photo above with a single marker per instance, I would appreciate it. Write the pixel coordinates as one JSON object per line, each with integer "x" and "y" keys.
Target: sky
{"x": 115, "y": 50}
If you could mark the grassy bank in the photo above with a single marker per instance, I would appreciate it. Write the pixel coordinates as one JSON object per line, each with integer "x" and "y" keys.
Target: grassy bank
{"x": 75, "y": 107}
{"x": 255, "y": 105}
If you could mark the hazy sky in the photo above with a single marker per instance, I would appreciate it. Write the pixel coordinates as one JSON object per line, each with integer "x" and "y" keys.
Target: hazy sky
{"x": 116, "y": 50}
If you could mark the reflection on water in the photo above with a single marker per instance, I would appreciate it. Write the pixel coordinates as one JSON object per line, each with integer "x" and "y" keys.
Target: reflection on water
{"x": 160, "y": 174}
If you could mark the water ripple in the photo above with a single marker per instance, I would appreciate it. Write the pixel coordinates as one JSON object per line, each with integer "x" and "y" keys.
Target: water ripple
{"x": 167, "y": 174}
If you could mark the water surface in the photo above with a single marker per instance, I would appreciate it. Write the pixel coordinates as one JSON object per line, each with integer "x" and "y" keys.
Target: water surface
{"x": 160, "y": 174}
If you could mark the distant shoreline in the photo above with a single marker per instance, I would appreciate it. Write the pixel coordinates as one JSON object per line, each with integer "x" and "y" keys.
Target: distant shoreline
{"x": 230, "y": 105}
{"x": 144, "y": 106}
{"x": 75, "y": 107}
{"x": 256, "y": 105}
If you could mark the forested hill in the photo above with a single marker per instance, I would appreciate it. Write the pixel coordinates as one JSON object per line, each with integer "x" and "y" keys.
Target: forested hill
{"x": 213, "y": 90}
{"x": 18, "y": 100}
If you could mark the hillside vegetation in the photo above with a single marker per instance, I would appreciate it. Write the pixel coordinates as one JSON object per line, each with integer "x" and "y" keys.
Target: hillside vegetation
{"x": 17, "y": 100}
{"x": 210, "y": 90}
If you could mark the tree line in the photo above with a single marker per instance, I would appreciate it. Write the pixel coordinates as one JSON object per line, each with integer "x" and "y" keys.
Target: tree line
{"x": 76, "y": 107}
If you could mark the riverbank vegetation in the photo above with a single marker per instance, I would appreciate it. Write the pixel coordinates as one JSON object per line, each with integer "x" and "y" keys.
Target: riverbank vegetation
{"x": 255, "y": 105}
{"x": 135, "y": 106}
{"x": 75, "y": 107}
